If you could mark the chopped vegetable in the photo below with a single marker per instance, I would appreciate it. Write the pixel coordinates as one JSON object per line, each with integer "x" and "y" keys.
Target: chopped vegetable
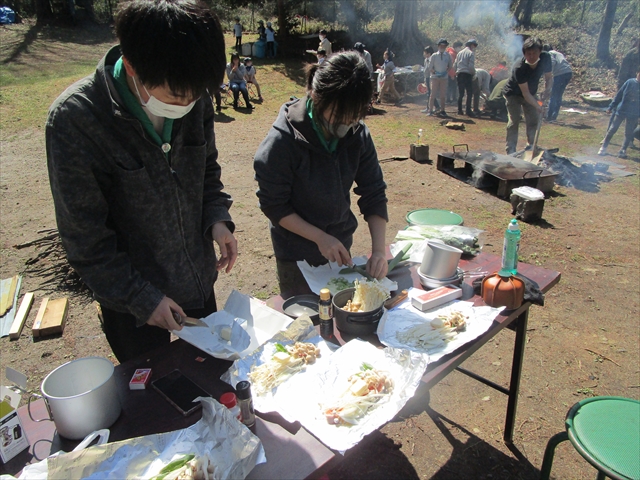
{"x": 363, "y": 393}
{"x": 286, "y": 362}
{"x": 173, "y": 466}
{"x": 399, "y": 256}
{"x": 370, "y": 295}
{"x": 435, "y": 334}
{"x": 338, "y": 284}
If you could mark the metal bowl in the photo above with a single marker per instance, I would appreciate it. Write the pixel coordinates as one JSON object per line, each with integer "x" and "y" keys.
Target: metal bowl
{"x": 301, "y": 304}
{"x": 429, "y": 282}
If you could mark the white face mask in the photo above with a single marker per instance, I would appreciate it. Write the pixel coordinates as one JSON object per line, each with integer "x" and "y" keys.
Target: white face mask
{"x": 338, "y": 130}
{"x": 532, "y": 64}
{"x": 161, "y": 109}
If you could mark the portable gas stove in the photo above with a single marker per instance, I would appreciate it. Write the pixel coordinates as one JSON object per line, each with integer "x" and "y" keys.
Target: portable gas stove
{"x": 486, "y": 169}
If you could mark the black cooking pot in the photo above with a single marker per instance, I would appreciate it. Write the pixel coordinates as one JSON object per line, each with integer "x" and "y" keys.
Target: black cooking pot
{"x": 354, "y": 323}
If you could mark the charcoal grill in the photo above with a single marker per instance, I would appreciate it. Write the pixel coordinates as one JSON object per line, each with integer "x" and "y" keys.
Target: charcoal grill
{"x": 486, "y": 169}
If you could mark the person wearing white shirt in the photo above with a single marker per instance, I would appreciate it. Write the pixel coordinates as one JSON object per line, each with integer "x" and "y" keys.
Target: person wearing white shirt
{"x": 562, "y": 73}
{"x": 481, "y": 88}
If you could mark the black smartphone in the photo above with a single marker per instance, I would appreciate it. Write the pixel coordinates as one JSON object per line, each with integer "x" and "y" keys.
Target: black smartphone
{"x": 180, "y": 391}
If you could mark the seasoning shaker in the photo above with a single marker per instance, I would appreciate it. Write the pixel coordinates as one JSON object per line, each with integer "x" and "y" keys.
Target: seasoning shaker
{"x": 243, "y": 391}
{"x": 325, "y": 314}
{"x": 230, "y": 401}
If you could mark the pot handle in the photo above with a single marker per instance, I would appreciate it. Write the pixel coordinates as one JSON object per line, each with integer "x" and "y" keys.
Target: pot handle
{"x": 104, "y": 438}
{"x": 50, "y": 418}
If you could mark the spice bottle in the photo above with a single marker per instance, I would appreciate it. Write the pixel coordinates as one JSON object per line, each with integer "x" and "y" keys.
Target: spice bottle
{"x": 245, "y": 400}
{"x": 510, "y": 250}
{"x": 230, "y": 401}
{"x": 325, "y": 313}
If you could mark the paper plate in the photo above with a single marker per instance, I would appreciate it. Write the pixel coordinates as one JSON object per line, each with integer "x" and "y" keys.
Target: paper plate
{"x": 433, "y": 216}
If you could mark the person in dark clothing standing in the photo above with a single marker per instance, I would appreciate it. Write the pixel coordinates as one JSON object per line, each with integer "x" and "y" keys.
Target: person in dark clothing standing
{"x": 465, "y": 70}
{"x": 134, "y": 174}
{"x": 520, "y": 91}
{"x": 316, "y": 150}
{"x": 625, "y": 106}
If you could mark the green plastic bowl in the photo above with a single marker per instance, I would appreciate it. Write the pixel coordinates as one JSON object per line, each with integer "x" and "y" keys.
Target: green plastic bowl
{"x": 433, "y": 216}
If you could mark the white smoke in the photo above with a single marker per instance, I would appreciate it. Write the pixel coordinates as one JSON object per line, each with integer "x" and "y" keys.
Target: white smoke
{"x": 495, "y": 15}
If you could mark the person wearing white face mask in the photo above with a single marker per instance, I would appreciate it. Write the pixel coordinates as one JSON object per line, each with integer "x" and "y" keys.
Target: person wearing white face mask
{"x": 134, "y": 174}
{"x": 315, "y": 152}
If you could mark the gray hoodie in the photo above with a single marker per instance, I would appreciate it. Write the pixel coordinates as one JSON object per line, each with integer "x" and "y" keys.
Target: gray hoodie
{"x": 135, "y": 223}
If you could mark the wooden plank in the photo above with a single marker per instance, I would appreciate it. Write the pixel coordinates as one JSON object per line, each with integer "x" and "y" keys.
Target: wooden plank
{"x": 21, "y": 316}
{"x": 8, "y": 294}
{"x": 55, "y": 317}
{"x": 35, "y": 329}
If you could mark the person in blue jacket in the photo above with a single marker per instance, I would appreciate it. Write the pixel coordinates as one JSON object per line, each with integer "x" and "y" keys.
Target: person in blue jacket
{"x": 623, "y": 107}
{"x": 315, "y": 152}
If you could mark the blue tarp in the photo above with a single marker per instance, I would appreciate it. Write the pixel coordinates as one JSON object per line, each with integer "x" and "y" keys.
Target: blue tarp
{"x": 7, "y": 15}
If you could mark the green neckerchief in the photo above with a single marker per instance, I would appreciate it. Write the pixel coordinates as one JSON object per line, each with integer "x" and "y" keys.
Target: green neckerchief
{"x": 329, "y": 146}
{"x": 133, "y": 106}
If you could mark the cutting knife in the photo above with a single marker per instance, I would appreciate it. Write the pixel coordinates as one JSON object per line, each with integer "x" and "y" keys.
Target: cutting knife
{"x": 188, "y": 321}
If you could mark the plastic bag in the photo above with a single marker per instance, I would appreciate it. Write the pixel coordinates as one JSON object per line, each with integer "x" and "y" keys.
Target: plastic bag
{"x": 465, "y": 238}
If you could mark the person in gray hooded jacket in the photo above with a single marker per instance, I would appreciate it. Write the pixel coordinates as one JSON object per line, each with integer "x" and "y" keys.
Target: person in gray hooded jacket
{"x": 316, "y": 150}
{"x": 134, "y": 174}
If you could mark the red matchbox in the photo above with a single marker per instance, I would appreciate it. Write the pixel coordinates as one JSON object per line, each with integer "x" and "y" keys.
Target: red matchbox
{"x": 140, "y": 379}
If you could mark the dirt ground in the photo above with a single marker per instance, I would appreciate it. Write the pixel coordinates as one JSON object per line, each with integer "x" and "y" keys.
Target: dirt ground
{"x": 583, "y": 342}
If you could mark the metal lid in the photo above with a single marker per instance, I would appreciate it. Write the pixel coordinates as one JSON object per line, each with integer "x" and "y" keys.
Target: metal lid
{"x": 325, "y": 294}
{"x": 433, "y": 216}
{"x": 243, "y": 390}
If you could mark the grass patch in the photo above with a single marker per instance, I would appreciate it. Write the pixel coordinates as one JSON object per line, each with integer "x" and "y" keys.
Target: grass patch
{"x": 25, "y": 107}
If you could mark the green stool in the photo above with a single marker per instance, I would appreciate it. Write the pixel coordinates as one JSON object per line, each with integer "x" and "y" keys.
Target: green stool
{"x": 606, "y": 432}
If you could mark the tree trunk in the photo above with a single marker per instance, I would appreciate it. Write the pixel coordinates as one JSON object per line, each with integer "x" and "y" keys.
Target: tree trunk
{"x": 527, "y": 11}
{"x": 282, "y": 19}
{"x": 517, "y": 12}
{"x": 405, "y": 35}
{"x": 584, "y": 7}
{"x": 624, "y": 23}
{"x": 43, "y": 11}
{"x": 602, "y": 49}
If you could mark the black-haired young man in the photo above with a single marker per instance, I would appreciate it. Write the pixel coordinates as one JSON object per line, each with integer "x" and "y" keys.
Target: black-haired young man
{"x": 134, "y": 173}
{"x": 520, "y": 91}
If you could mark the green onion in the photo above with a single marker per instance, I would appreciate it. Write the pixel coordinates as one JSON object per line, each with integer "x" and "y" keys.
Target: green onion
{"x": 281, "y": 348}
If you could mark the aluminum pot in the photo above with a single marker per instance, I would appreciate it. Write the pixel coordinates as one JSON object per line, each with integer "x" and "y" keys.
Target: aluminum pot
{"x": 354, "y": 323}
{"x": 81, "y": 397}
{"x": 440, "y": 260}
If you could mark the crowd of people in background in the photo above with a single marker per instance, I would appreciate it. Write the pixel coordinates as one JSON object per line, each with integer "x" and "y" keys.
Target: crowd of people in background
{"x": 450, "y": 77}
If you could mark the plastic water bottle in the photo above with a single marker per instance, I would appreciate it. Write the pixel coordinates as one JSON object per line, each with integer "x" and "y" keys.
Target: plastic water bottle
{"x": 510, "y": 250}
{"x": 419, "y": 136}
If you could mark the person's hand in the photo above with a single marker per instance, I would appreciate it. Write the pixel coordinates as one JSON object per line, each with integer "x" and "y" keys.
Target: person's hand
{"x": 228, "y": 246}
{"x": 608, "y": 110}
{"x": 333, "y": 250}
{"x": 377, "y": 265}
{"x": 162, "y": 316}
